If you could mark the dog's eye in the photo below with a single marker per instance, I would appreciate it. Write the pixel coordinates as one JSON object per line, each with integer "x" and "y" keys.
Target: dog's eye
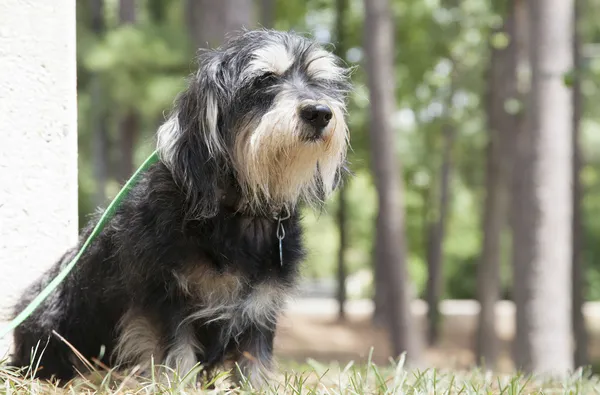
{"x": 265, "y": 80}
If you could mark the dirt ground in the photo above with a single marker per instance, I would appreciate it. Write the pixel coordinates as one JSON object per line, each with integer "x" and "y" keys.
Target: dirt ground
{"x": 311, "y": 330}
{"x": 322, "y": 337}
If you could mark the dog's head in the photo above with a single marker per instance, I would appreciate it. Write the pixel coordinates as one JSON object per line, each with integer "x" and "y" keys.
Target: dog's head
{"x": 265, "y": 111}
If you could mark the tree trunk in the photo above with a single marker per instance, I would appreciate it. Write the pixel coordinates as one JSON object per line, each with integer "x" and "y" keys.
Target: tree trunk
{"x": 380, "y": 297}
{"x": 502, "y": 88}
{"x": 520, "y": 144}
{"x": 341, "y": 7}
{"x": 341, "y": 270}
{"x": 129, "y": 122}
{"x": 436, "y": 229}
{"x": 129, "y": 131}
{"x": 579, "y": 330}
{"x": 390, "y": 234}
{"x": 97, "y": 23}
{"x": 100, "y": 140}
{"x": 157, "y": 10}
{"x": 127, "y": 12}
{"x": 542, "y": 237}
{"x": 210, "y": 21}
{"x": 267, "y": 13}
{"x": 436, "y": 234}
{"x": 488, "y": 281}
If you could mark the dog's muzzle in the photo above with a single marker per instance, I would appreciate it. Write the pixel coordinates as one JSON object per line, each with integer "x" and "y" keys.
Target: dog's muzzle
{"x": 317, "y": 116}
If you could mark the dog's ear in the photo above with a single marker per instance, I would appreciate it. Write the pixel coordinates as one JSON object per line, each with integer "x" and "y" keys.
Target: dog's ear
{"x": 190, "y": 143}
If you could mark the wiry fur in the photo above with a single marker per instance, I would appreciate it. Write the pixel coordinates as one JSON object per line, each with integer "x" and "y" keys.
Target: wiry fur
{"x": 189, "y": 269}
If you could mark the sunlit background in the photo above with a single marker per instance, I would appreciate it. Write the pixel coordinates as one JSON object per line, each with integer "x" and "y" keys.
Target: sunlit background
{"x": 134, "y": 55}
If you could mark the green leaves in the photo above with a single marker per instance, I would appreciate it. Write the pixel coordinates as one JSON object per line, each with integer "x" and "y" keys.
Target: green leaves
{"x": 131, "y": 58}
{"x": 438, "y": 43}
{"x": 569, "y": 78}
{"x": 513, "y": 106}
{"x": 500, "y": 40}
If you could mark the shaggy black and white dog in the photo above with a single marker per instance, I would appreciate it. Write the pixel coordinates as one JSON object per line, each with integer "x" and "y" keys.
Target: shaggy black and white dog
{"x": 197, "y": 262}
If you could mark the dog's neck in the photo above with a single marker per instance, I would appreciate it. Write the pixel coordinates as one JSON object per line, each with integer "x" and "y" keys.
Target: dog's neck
{"x": 233, "y": 200}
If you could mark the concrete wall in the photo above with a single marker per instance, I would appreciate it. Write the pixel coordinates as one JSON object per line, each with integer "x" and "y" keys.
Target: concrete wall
{"x": 38, "y": 140}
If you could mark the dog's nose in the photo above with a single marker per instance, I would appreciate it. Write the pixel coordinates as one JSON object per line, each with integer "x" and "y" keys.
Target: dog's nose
{"x": 317, "y": 115}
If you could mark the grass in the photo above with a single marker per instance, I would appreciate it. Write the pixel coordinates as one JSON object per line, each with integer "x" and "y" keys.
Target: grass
{"x": 309, "y": 378}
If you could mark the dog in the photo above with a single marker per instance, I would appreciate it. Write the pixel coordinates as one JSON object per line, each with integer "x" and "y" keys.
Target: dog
{"x": 198, "y": 261}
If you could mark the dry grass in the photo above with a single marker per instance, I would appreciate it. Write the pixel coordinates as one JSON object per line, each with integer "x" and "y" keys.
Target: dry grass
{"x": 308, "y": 378}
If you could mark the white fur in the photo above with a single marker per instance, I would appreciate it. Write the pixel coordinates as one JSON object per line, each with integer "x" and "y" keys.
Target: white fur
{"x": 211, "y": 115}
{"x": 274, "y": 162}
{"x": 169, "y": 132}
{"x": 167, "y": 136}
{"x": 256, "y": 368}
{"x": 182, "y": 354}
{"x": 272, "y": 58}
{"x": 226, "y": 304}
{"x": 322, "y": 65}
{"x": 260, "y": 308}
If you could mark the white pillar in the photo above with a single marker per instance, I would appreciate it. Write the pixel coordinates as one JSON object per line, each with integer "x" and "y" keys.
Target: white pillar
{"x": 38, "y": 141}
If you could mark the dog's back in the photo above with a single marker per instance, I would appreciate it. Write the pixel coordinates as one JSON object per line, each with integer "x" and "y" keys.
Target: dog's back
{"x": 72, "y": 316}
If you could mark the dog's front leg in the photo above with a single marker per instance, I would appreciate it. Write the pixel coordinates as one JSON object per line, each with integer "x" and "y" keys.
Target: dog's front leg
{"x": 255, "y": 356}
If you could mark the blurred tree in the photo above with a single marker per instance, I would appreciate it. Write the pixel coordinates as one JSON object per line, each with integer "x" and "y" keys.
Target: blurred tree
{"x": 100, "y": 138}
{"x": 267, "y": 13}
{"x": 437, "y": 228}
{"x": 390, "y": 244}
{"x": 210, "y": 21}
{"x": 340, "y": 49}
{"x": 127, "y": 11}
{"x": 579, "y": 330}
{"x": 521, "y": 144}
{"x": 143, "y": 66}
{"x": 502, "y": 106}
{"x": 542, "y": 236}
{"x": 129, "y": 124}
{"x": 156, "y": 10}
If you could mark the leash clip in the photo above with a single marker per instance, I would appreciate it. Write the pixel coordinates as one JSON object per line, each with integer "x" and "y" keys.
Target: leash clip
{"x": 281, "y": 231}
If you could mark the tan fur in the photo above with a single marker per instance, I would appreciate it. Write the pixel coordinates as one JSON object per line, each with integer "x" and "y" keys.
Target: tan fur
{"x": 275, "y": 163}
{"x": 219, "y": 298}
{"x": 260, "y": 307}
{"x": 206, "y": 284}
{"x": 139, "y": 339}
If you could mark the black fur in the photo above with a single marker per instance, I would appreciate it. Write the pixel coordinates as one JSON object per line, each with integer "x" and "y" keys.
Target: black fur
{"x": 180, "y": 218}
{"x": 132, "y": 264}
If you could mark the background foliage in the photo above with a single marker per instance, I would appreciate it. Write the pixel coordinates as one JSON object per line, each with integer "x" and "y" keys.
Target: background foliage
{"x": 442, "y": 55}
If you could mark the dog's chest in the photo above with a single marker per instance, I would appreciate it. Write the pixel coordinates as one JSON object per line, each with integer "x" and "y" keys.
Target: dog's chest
{"x": 230, "y": 301}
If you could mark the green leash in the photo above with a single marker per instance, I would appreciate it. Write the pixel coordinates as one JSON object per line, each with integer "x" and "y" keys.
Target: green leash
{"x": 106, "y": 216}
